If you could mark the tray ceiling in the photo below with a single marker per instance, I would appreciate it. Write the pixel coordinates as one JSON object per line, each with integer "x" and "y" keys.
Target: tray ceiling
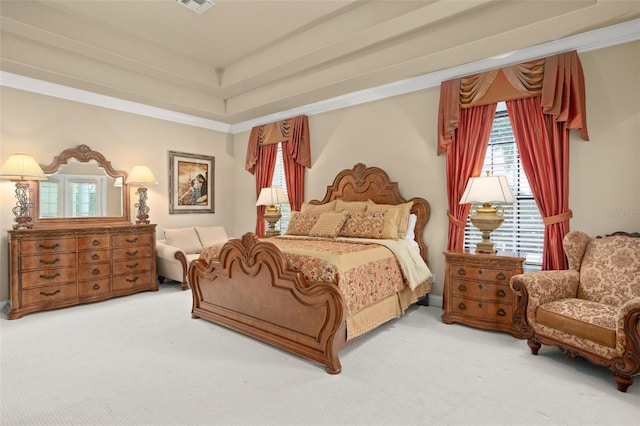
{"x": 245, "y": 59}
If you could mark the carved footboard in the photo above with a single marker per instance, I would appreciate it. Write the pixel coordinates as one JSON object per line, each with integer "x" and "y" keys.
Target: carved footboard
{"x": 249, "y": 289}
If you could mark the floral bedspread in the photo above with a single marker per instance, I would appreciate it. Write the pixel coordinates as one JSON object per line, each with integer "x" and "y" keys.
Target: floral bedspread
{"x": 364, "y": 272}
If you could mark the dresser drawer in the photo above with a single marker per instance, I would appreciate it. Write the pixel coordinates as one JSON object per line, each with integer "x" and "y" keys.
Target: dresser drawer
{"x": 41, "y": 295}
{"x": 93, "y": 242}
{"x": 93, "y": 256}
{"x": 482, "y": 291}
{"x": 48, "y": 277}
{"x": 131, "y": 252}
{"x": 493, "y": 312}
{"x": 480, "y": 273}
{"x": 132, "y": 281}
{"x": 131, "y": 266}
{"x": 93, "y": 288}
{"x": 47, "y": 245}
{"x": 94, "y": 271}
{"x": 47, "y": 261}
{"x": 131, "y": 240}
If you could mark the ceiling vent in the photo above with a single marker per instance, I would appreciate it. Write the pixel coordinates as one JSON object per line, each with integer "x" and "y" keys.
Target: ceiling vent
{"x": 198, "y": 6}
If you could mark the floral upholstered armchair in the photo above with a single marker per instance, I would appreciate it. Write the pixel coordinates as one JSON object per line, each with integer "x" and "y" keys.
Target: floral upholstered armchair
{"x": 592, "y": 309}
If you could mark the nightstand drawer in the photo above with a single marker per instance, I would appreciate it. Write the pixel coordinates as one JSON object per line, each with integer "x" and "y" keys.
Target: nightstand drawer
{"x": 482, "y": 291}
{"x": 500, "y": 312}
{"x": 479, "y": 273}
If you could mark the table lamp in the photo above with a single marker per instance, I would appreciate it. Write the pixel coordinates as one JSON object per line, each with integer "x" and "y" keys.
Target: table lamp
{"x": 270, "y": 197}
{"x": 22, "y": 168}
{"x": 141, "y": 175}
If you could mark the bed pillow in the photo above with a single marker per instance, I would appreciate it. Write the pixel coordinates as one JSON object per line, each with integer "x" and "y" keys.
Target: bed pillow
{"x": 211, "y": 235}
{"x": 186, "y": 239}
{"x": 411, "y": 228}
{"x": 327, "y": 207}
{"x": 328, "y": 224}
{"x": 350, "y": 206}
{"x": 368, "y": 224}
{"x": 301, "y": 223}
{"x": 403, "y": 212}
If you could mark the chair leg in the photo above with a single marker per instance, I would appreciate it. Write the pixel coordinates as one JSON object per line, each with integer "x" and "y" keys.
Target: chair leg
{"x": 534, "y": 346}
{"x": 623, "y": 382}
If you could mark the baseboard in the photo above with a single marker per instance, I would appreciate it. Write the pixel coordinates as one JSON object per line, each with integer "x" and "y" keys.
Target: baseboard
{"x": 435, "y": 300}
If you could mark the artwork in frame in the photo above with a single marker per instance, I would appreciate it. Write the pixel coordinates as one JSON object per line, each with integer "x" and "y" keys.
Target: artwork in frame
{"x": 191, "y": 178}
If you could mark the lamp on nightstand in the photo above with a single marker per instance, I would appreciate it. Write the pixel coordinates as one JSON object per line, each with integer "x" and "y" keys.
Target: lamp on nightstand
{"x": 270, "y": 197}
{"x": 486, "y": 190}
{"x": 22, "y": 168}
{"x": 142, "y": 176}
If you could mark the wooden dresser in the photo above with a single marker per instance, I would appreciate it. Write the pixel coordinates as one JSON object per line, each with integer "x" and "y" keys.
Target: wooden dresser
{"x": 476, "y": 289}
{"x": 59, "y": 267}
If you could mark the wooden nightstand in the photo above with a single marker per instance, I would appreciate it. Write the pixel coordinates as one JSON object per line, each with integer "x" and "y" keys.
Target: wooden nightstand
{"x": 476, "y": 289}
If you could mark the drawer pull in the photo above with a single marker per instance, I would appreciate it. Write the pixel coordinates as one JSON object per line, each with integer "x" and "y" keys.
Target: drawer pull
{"x": 50, "y": 277}
{"x": 50, "y": 262}
{"x": 132, "y": 280}
{"x": 44, "y": 293}
{"x": 132, "y": 253}
{"x": 501, "y": 276}
{"x": 502, "y": 293}
{"x": 132, "y": 240}
{"x": 479, "y": 271}
{"x": 462, "y": 306}
{"x": 135, "y": 265}
{"x": 96, "y": 286}
{"x": 95, "y": 257}
{"x": 462, "y": 287}
{"x": 96, "y": 243}
{"x": 502, "y": 313}
{"x": 462, "y": 271}
{"x": 96, "y": 271}
{"x": 56, "y": 245}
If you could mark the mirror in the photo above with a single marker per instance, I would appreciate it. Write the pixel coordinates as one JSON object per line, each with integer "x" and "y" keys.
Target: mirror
{"x": 82, "y": 188}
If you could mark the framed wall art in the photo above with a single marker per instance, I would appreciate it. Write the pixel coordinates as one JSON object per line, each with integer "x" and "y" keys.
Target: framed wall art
{"x": 191, "y": 178}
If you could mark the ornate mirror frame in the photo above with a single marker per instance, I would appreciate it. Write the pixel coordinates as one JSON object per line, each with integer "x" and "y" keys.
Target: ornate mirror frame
{"x": 83, "y": 154}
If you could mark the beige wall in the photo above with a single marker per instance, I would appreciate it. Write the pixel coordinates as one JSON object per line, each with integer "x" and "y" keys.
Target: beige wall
{"x": 397, "y": 134}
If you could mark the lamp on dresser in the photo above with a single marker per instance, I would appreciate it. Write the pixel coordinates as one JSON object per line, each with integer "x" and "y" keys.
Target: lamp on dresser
{"x": 487, "y": 218}
{"x": 22, "y": 168}
{"x": 270, "y": 197}
{"x": 141, "y": 175}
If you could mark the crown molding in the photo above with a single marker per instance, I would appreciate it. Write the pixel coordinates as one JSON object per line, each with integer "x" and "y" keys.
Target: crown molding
{"x": 591, "y": 40}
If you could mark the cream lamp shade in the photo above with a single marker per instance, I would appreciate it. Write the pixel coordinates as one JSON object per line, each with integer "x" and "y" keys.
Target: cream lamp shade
{"x": 141, "y": 175}
{"x": 270, "y": 197}
{"x": 22, "y": 168}
{"x": 486, "y": 190}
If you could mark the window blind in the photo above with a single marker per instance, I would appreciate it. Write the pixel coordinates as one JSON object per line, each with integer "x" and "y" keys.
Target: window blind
{"x": 522, "y": 231}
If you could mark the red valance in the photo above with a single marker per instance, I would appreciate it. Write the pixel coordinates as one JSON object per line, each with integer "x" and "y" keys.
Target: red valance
{"x": 558, "y": 78}
{"x": 294, "y": 131}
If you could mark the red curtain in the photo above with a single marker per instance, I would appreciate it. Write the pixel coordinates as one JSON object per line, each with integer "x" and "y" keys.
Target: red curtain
{"x": 543, "y": 144}
{"x": 262, "y": 149}
{"x": 465, "y": 156}
{"x": 265, "y": 167}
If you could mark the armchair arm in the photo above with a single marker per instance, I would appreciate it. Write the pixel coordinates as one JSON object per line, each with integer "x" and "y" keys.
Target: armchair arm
{"x": 536, "y": 288}
{"x": 628, "y": 336}
{"x": 166, "y": 251}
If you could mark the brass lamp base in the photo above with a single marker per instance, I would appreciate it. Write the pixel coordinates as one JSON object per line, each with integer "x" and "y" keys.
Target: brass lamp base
{"x": 486, "y": 220}
{"x": 272, "y": 216}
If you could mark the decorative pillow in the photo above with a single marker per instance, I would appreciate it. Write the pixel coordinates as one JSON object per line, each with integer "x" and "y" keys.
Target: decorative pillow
{"x": 369, "y": 225}
{"x": 301, "y": 223}
{"x": 211, "y": 235}
{"x": 186, "y": 239}
{"x": 403, "y": 214}
{"x": 328, "y": 225}
{"x": 328, "y": 207}
{"x": 350, "y": 205}
{"x": 411, "y": 227}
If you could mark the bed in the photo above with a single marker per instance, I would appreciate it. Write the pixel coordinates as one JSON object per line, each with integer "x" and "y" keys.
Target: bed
{"x": 259, "y": 287}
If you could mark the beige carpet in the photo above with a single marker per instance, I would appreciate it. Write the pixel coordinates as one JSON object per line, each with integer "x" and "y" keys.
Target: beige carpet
{"x": 142, "y": 360}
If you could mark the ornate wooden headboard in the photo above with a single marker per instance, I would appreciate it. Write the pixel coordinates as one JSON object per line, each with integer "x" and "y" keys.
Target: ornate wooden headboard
{"x": 364, "y": 183}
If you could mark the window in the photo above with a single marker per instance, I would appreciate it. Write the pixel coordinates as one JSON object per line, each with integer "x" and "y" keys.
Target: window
{"x": 73, "y": 196}
{"x": 522, "y": 231}
{"x": 279, "y": 180}
{"x": 49, "y": 206}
